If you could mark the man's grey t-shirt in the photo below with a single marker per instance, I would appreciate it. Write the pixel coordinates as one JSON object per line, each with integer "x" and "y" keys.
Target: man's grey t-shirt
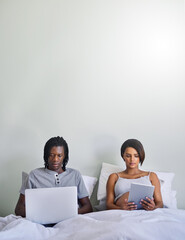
{"x": 45, "y": 178}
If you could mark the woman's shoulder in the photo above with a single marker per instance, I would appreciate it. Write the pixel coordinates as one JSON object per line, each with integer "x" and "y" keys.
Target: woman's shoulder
{"x": 147, "y": 173}
{"x": 113, "y": 176}
{"x": 153, "y": 176}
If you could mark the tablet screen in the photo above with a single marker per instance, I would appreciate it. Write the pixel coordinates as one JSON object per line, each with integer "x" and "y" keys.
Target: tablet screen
{"x": 140, "y": 191}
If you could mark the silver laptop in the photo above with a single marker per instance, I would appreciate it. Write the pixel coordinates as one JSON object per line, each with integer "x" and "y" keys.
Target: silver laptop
{"x": 51, "y": 205}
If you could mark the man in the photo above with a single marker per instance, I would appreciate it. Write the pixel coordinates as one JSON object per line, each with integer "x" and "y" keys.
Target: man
{"x": 55, "y": 174}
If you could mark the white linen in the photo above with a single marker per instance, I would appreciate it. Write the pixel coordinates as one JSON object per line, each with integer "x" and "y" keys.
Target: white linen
{"x": 90, "y": 183}
{"x": 161, "y": 224}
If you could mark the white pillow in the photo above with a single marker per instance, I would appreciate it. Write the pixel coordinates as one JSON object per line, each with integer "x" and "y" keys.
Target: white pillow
{"x": 90, "y": 183}
{"x": 169, "y": 196}
{"x": 166, "y": 179}
{"x": 173, "y": 200}
{"x": 106, "y": 170}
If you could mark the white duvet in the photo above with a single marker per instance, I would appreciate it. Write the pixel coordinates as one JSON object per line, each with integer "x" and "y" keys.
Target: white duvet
{"x": 164, "y": 224}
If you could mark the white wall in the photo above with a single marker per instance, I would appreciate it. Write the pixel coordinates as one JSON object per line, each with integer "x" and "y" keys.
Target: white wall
{"x": 97, "y": 73}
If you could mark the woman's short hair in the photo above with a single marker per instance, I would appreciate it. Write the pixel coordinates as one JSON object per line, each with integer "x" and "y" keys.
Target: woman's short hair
{"x": 56, "y": 142}
{"x": 134, "y": 143}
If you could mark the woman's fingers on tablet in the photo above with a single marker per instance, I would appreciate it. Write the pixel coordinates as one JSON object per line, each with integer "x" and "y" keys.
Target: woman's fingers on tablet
{"x": 148, "y": 204}
{"x": 131, "y": 206}
{"x": 144, "y": 204}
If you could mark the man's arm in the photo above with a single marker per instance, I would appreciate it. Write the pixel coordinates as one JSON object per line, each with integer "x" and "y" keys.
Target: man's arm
{"x": 20, "y": 207}
{"x": 85, "y": 205}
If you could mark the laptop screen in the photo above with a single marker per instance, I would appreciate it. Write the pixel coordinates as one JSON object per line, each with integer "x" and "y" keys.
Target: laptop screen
{"x": 51, "y": 205}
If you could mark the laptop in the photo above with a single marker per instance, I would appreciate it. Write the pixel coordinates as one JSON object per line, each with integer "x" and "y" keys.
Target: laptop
{"x": 51, "y": 205}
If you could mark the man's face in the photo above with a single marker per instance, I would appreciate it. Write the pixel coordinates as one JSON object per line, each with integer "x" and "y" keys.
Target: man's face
{"x": 56, "y": 158}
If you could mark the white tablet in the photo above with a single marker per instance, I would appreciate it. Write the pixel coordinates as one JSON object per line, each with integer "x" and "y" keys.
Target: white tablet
{"x": 140, "y": 191}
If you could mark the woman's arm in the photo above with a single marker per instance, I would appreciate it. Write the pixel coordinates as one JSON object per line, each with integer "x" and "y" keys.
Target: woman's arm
{"x": 20, "y": 207}
{"x": 110, "y": 192}
{"x": 157, "y": 191}
{"x": 157, "y": 201}
{"x": 122, "y": 202}
{"x": 85, "y": 205}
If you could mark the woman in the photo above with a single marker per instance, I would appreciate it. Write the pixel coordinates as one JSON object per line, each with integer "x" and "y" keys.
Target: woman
{"x": 55, "y": 174}
{"x": 118, "y": 184}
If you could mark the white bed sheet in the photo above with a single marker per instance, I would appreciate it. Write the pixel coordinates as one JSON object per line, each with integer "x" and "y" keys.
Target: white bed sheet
{"x": 164, "y": 224}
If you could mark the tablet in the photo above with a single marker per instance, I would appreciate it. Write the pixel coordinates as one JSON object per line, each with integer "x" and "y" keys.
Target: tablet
{"x": 140, "y": 191}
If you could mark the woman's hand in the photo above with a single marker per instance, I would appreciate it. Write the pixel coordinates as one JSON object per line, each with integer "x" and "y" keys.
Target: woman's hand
{"x": 125, "y": 205}
{"x": 148, "y": 204}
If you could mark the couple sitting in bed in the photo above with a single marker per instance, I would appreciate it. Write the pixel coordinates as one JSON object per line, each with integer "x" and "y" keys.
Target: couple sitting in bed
{"x": 55, "y": 174}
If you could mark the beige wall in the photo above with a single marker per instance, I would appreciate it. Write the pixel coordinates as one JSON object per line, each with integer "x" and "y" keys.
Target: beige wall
{"x": 95, "y": 72}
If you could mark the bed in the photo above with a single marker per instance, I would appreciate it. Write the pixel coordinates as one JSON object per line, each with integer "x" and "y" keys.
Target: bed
{"x": 165, "y": 224}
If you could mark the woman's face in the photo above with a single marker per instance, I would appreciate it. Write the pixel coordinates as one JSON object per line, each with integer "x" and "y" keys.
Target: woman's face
{"x": 56, "y": 158}
{"x": 131, "y": 157}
